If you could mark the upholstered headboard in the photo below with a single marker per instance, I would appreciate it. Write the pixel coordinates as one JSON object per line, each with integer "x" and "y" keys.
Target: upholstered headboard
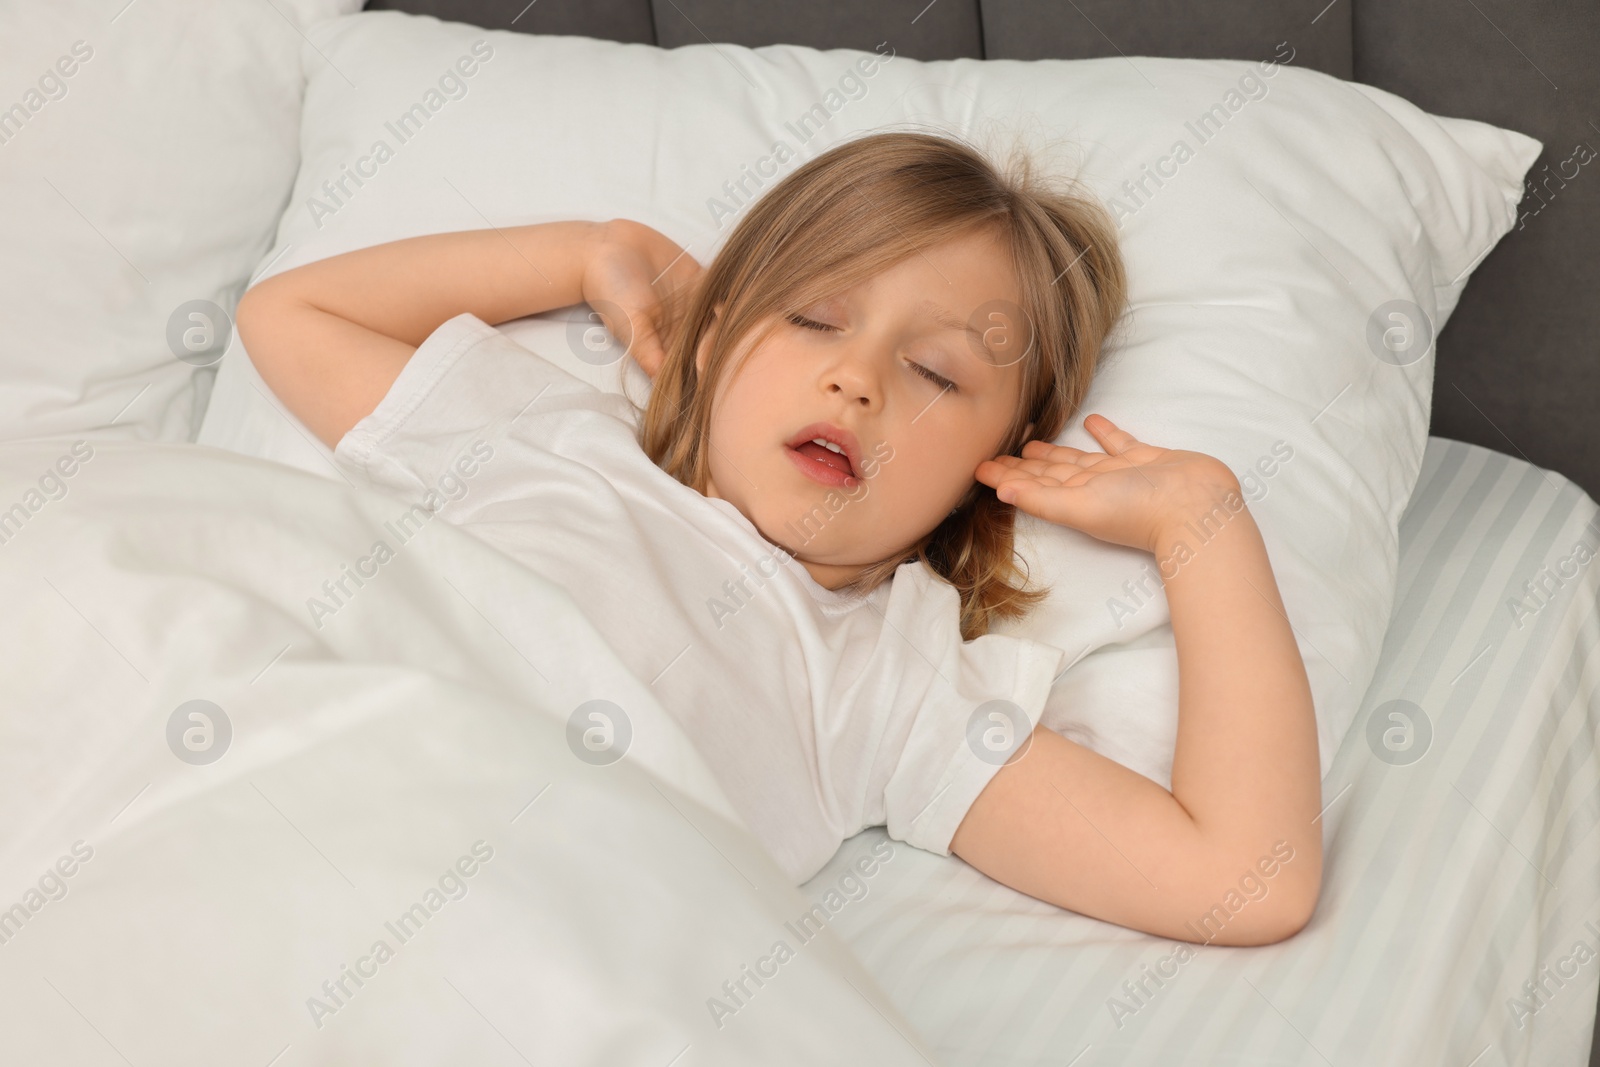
{"x": 1518, "y": 366}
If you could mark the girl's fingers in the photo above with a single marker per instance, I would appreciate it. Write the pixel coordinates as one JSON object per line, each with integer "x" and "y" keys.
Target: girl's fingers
{"x": 992, "y": 472}
{"x": 652, "y": 353}
{"x": 649, "y": 360}
{"x": 1009, "y": 489}
{"x": 1046, "y": 450}
{"x": 639, "y": 341}
{"x": 1013, "y": 481}
{"x": 1114, "y": 440}
{"x": 1066, "y": 466}
{"x": 1032, "y": 495}
{"x": 1040, "y": 468}
{"x": 1016, "y": 462}
{"x": 998, "y": 476}
{"x": 1063, "y": 453}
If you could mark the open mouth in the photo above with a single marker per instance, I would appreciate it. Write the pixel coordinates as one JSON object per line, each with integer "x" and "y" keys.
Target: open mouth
{"x": 823, "y": 453}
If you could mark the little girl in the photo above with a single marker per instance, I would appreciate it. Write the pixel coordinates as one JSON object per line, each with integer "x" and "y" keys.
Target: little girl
{"x": 803, "y": 539}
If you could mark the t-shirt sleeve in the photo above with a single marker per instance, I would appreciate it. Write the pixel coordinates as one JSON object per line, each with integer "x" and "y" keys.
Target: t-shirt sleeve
{"x": 956, "y": 710}
{"x": 469, "y": 381}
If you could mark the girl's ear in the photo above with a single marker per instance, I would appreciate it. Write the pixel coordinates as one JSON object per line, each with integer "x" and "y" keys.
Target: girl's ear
{"x": 1027, "y": 434}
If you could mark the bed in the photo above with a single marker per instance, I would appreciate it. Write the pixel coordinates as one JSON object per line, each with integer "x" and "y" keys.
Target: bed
{"x": 238, "y": 834}
{"x": 1442, "y": 900}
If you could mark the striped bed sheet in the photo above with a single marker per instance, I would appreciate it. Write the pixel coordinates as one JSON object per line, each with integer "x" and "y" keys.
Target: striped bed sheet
{"x": 1460, "y": 917}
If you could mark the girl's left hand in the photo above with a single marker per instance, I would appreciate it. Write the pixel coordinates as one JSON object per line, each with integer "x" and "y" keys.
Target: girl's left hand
{"x": 628, "y": 267}
{"x": 1130, "y": 494}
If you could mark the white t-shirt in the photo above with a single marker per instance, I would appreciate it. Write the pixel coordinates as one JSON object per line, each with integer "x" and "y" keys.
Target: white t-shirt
{"x": 817, "y": 717}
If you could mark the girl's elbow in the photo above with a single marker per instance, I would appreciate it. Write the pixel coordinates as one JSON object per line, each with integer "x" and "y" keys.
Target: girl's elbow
{"x": 272, "y": 332}
{"x": 1294, "y": 915}
{"x": 1295, "y": 908}
{"x": 1269, "y": 926}
{"x": 250, "y": 317}
{"x": 1297, "y": 900}
{"x": 1252, "y": 911}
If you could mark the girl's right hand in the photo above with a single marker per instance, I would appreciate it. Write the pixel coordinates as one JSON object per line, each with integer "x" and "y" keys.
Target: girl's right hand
{"x": 630, "y": 265}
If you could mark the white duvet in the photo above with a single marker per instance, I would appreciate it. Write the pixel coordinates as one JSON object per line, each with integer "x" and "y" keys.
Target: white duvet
{"x": 234, "y": 836}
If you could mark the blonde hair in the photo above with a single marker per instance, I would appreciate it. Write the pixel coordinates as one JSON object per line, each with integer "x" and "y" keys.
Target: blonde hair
{"x": 845, "y": 216}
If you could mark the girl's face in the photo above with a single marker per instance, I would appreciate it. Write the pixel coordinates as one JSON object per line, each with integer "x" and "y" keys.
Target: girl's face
{"x": 915, "y": 373}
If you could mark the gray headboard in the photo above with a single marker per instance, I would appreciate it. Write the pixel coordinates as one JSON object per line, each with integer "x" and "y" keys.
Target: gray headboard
{"x": 1518, "y": 365}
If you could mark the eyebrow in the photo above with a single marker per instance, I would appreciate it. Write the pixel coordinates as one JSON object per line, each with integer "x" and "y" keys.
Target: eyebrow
{"x": 942, "y": 317}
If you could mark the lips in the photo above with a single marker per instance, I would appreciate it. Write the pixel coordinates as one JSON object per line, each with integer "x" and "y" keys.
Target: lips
{"x": 821, "y": 464}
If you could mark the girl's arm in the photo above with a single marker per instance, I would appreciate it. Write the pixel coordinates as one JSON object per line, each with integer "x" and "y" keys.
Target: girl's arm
{"x": 329, "y": 338}
{"x": 1233, "y": 854}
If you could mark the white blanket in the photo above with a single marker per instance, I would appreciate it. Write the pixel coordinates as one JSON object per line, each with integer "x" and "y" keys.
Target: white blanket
{"x": 373, "y": 842}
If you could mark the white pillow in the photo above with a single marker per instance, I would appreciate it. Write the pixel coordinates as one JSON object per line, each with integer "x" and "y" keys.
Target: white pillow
{"x": 146, "y": 150}
{"x": 1264, "y": 269}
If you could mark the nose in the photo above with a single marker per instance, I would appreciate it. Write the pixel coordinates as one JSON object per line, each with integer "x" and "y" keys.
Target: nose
{"x": 854, "y": 374}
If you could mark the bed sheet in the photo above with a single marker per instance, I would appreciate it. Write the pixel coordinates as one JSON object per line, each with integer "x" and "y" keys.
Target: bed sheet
{"x": 1460, "y": 916}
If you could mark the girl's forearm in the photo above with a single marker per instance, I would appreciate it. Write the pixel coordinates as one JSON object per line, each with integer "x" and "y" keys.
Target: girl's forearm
{"x": 329, "y": 338}
{"x": 1068, "y": 825}
{"x": 1246, "y": 767}
{"x": 406, "y": 289}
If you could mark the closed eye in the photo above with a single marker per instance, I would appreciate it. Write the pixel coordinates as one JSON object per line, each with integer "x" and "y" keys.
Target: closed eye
{"x": 937, "y": 379}
{"x": 808, "y": 324}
